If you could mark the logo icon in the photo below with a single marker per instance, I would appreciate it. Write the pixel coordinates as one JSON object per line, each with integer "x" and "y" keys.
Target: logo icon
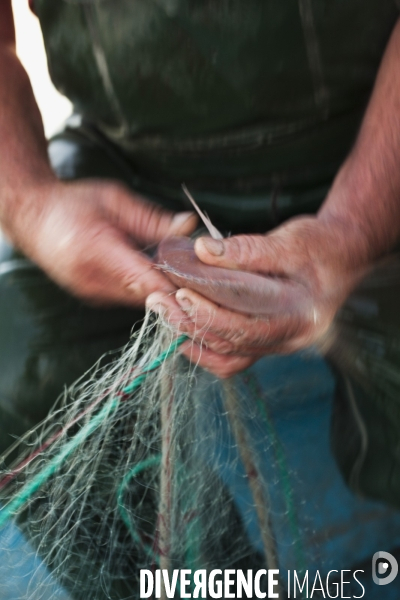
{"x": 384, "y": 564}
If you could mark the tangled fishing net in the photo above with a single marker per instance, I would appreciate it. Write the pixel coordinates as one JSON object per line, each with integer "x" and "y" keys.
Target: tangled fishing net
{"x": 133, "y": 467}
{"x": 122, "y": 475}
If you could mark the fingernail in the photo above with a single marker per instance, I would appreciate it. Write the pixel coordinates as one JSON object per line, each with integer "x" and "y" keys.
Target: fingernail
{"x": 184, "y": 302}
{"x": 159, "y": 309}
{"x": 215, "y": 247}
{"x": 180, "y": 219}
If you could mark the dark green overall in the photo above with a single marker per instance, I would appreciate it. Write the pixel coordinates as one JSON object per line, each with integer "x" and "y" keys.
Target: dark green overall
{"x": 253, "y": 104}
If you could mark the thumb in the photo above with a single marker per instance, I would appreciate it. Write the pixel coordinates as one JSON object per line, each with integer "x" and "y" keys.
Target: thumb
{"x": 256, "y": 253}
{"x": 145, "y": 221}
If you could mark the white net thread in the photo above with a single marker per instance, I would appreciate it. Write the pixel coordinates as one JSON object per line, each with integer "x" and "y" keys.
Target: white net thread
{"x": 137, "y": 489}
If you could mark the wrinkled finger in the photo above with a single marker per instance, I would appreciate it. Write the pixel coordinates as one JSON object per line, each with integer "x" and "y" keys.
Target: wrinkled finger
{"x": 257, "y": 253}
{"x": 169, "y": 310}
{"x": 165, "y": 305}
{"x": 280, "y": 252}
{"x": 242, "y": 332}
{"x": 146, "y": 221}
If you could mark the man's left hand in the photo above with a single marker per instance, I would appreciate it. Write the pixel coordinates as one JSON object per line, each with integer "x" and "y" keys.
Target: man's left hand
{"x": 314, "y": 254}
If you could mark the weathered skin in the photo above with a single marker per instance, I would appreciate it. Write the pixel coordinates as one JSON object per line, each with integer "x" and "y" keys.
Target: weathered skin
{"x": 237, "y": 290}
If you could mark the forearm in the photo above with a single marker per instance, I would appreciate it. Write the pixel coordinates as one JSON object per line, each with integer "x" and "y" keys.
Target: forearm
{"x": 365, "y": 197}
{"x": 24, "y": 164}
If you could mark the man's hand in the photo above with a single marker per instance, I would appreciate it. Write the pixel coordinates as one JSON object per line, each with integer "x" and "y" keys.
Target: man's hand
{"x": 87, "y": 237}
{"x": 358, "y": 223}
{"x": 310, "y": 252}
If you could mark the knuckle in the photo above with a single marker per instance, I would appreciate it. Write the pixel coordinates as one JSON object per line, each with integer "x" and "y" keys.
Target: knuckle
{"x": 287, "y": 331}
{"x": 221, "y": 347}
{"x": 236, "y": 337}
{"x": 153, "y": 220}
{"x": 203, "y": 318}
{"x": 262, "y": 337}
{"x": 79, "y": 270}
{"x": 137, "y": 282}
{"x": 241, "y": 249}
{"x": 133, "y": 280}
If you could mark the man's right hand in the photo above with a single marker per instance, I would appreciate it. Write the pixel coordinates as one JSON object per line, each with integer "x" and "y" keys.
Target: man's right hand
{"x": 87, "y": 237}
{"x": 84, "y": 235}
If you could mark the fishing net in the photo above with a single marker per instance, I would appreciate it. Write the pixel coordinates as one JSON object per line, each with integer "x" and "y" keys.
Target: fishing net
{"x": 134, "y": 467}
{"x": 122, "y": 475}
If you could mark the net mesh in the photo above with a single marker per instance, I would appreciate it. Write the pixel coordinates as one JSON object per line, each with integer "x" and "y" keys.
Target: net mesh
{"x": 131, "y": 468}
{"x": 117, "y": 479}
